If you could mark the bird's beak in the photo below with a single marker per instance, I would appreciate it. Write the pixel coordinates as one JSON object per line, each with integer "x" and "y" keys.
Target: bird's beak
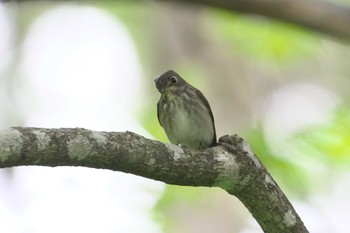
{"x": 160, "y": 89}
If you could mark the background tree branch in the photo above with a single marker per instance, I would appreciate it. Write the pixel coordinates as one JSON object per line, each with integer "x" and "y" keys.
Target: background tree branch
{"x": 326, "y": 17}
{"x": 231, "y": 165}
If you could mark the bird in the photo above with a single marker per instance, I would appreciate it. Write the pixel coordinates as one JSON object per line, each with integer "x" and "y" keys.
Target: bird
{"x": 184, "y": 112}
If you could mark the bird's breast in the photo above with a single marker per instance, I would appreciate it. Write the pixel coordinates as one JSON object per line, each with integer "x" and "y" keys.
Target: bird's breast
{"x": 186, "y": 121}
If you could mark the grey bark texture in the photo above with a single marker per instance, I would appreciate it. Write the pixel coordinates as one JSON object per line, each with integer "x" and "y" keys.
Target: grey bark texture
{"x": 231, "y": 165}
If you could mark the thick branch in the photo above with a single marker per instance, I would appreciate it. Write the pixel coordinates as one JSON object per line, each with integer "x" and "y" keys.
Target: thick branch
{"x": 231, "y": 165}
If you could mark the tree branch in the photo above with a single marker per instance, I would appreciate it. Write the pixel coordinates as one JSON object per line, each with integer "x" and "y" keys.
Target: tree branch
{"x": 231, "y": 165}
{"x": 323, "y": 16}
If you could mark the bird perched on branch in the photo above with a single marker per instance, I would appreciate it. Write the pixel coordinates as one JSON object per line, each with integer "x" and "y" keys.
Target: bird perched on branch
{"x": 184, "y": 112}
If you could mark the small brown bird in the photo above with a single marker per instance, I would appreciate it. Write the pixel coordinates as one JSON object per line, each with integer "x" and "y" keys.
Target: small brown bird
{"x": 184, "y": 112}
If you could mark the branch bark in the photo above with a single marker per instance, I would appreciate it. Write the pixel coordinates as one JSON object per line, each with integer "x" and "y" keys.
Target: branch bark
{"x": 231, "y": 165}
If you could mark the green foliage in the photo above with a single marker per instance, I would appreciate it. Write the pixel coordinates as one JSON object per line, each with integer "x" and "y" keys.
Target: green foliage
{"x": 265, "y": 40}
{"x": 330, "y": 142}
{"x": 317, "y": 151}
{"x": 175, "y": 197}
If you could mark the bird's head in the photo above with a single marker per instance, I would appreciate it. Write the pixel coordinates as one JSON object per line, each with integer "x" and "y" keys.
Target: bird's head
{"x": 170, "y": 80}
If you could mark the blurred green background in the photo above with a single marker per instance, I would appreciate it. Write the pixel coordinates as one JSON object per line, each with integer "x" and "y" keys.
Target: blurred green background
{"x": 283, "y": 88}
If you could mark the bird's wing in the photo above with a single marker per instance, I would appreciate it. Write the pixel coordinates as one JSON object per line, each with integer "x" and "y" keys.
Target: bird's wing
{"x": 158, "y": 113}
{"x": 206, "y": 103}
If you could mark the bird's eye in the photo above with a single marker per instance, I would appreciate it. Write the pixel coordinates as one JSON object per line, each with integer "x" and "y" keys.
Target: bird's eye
{"x": 173, "y": 79}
